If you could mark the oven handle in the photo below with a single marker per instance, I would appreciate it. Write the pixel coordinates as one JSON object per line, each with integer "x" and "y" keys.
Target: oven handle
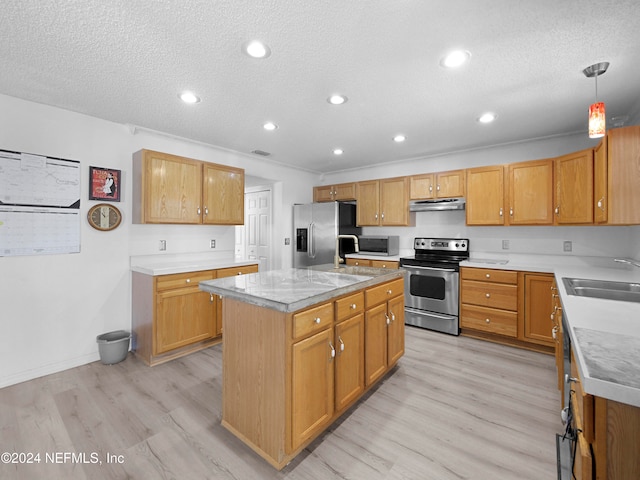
{"x": 431, "y": 314}
{"x": 439, "y": 269}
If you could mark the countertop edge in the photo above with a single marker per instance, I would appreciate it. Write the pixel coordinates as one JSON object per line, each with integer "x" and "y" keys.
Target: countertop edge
{"x": 187, "y": 266}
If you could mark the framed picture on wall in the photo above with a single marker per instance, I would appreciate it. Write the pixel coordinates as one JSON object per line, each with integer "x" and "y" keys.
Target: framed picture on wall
{"x": 104, "y": 184}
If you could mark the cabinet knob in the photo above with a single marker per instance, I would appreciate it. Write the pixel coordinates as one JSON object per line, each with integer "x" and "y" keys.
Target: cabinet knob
{"x": 239, "y": 273}
{"x": 389, "y": 292}
{"x": 557, "y": 210}
{"x": 393, "y": 317}
{"x": 188, "y": 280}
{"x": 438, "y": 188}
{"x": 487, "y": 320}
{"x": 554, "y": 332}
{"x": 488, "y": 295}
{"x": 341, "y": 344}
{"x": 511, "y": 212}
{"x": 353, "y": 306}
{"x": 384, "y": 265}
{"x": 430, "y": 188}
{"x": 383, "y": 215}
{"x": 211, "y": 297}
{"x": 501, "y": 212}
{"x": 488, "y": 275}
{"x": 357, "y": 263}
{"x": 317, "y": 320}
{"x": 601, "y": 203}
{"x": 569, "y": 379}
{"x": 333, "y": 350}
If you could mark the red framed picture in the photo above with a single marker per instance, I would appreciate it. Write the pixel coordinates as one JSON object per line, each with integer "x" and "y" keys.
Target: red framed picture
{"x": 104, "y": 184}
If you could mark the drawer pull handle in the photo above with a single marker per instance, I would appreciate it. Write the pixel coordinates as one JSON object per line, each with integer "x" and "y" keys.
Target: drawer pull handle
{"x": 333, "y": 350}
{"x": 341, "y": 343}
{"x": 488, "y": 295}
{"x": 388, "y": 320}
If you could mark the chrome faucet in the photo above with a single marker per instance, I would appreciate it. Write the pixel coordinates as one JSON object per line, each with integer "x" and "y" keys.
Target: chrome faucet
{"x": 336, "y": 258}
{"x": 628, "y": 261}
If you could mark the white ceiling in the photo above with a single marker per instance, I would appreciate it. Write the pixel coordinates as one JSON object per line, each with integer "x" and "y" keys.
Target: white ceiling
{"x": 127, "y": 60}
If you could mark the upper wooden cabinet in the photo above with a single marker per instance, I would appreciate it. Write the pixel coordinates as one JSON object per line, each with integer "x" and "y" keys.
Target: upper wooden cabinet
{"x": 623, "y": 176}
{"x": 485, "y": 196}
{"x": 178, "y": 190}
{"x": 383, "y": 202}
{"x": 338, "y": 192}
{"x": 437, "y": 185}
{"x": 530, "y": 193}
{"x": 574, "y": 188}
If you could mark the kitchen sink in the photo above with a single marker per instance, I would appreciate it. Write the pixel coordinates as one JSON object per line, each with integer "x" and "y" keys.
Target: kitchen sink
{"x": 608, "y": 290}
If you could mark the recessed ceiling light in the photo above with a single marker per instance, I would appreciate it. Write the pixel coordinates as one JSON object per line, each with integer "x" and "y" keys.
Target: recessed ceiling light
{"x": 399, "y": 138}
{"x": 256, "y": 49}
{"x": 487, "y": 117}
{"x": 337, "y": 99}
{"x": 338, "y": 151}
{"x": 455, "y": 59}
{"x": 270, "y": 126}
{"x": 189, "y": 97}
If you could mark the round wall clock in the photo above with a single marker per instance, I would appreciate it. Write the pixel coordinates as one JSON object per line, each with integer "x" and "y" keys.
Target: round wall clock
{"x": 104, "y": 217}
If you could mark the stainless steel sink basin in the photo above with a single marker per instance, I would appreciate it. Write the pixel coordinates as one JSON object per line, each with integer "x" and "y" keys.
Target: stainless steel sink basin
{"x": 623, "y": 291}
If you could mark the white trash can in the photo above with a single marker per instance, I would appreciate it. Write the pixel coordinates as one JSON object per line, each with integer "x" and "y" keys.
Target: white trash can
{"x": 113, "y": 346}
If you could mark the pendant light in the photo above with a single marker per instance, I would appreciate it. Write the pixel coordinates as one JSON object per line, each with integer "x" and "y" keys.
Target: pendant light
{"x": 597, "y": 117}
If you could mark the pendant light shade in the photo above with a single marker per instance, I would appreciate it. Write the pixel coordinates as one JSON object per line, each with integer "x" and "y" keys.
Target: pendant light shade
{"x": 597, "y": 120}
{"x": 597, "y": 117}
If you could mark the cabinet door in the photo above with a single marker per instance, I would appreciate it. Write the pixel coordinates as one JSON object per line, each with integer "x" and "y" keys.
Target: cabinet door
{"x": 375, "y": 337}
{"x": 600, "y": 182}
{"x": 183, "y": 316}
{"x": 394, "y": 201}
{"x": 223, "y": 201}
{"x": 368, "y": 203}
{"x": 172, "y": 189}
{"x": 395, "y": 331}
{"x": 349, "y": 360}
{"x": 344, "y": 191}
{"x": 485, "y": 196}
{"x": 422, "y": 187}
{"x": 538, "y": 306}
{"x": 531, "y": 193}
{"x": 323, "y": 193}
{"x": 574, "y": 188}
{"x": 623, "y": 157}
{"x": 312, "y": 385}
{"x": 450, "y": 184}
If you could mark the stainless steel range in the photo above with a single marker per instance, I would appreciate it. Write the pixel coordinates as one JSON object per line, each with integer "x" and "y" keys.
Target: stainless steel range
{"x": 431, "y": 291}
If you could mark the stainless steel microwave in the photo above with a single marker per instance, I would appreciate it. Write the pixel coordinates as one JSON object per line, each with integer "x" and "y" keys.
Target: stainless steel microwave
{"x": 379, "y": 245}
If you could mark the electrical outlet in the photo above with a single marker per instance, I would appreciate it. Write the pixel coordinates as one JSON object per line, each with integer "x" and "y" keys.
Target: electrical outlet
{"x": 163, "y": 245}
{"x": 567, "y": 246}
{"x": 213, "y": 244}
{"x": 287, "y": 241}
{"x": 505, "y": 244}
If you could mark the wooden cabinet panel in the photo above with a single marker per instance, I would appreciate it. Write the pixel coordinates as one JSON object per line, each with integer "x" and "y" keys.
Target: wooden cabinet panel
{"x": 492, "y": 295}
{"x": 489, "y": 275}
{"x": 323, "y": 193}
{"x": 485, "y": 196}
{"x": 574, "y": 188}
{"x": 600, "y": 186}
{"x": 312, "y": 320}
{"x": 382, "y": 293}
{"x": 368, "y": 203}
{"x": 184, "y": 316}
{"x": 623, "y": 156}
{"x": 393, "y": 264}
{"x": 358, "y": 262}
{"x": 312, "y": 386}
{"x": 183, "y": 280}
{"x": 538, "y": 306}
{"x": 223, "y": 195}
{"x": 375, "y": 343}
{"x": 437, "y": 185}
{"x": 531, "y": 193}
{"x": 349, "y": 374}
{"x": 422, "y": 186}
{"x": 492, "y": 320}
{"x": 394, "y": 201}
{"x": 349, "y": 306}
{"x": 338, "y": 192}
{"x": 232, "y": 271}
{"x": 395, "y": 330}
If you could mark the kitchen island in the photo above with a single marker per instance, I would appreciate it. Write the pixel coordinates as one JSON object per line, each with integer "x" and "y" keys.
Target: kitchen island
{"x": 300, "y": 346}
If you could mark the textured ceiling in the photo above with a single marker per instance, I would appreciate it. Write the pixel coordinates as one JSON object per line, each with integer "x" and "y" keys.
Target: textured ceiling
{"x": 127, "y": 60}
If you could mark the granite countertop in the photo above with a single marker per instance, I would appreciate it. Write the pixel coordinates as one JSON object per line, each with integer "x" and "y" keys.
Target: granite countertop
{"x": 182, "y": 263}
{"x": 533, "y": 262}
{"x": 293, "y": 289}
{"x": 605, "y": 335}
{"x": 373, "y": 256}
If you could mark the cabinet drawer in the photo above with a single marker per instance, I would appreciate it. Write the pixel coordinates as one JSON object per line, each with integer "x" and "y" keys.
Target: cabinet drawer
{"x": 494, "y": 295}
{"x": 231, "y": 271}
{"x": 489, "y": 275}
{"x": 181, "y": 280}
{"x": 358, "y": 262}
{"x": 385, "y": 264}
{"x": 384, "y": 292}
{"x": 349, "y": 306}
{"x": 491, "y": 320}
{"x": 312, "y": 320}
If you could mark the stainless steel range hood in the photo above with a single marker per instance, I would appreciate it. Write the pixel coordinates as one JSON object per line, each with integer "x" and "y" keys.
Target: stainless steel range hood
{"x": 437, "y": 204}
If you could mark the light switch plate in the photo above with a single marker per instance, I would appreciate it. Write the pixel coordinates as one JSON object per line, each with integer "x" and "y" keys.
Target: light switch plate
{"x": 163, "y": 245}
{"x": 567, "y": 246}
{"x": 505, "y": 244}
{"x": 213, "y": 244}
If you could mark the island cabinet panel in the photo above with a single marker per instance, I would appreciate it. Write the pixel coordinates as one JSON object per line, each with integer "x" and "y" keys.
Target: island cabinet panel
{"x": 312, "y": 386}
{"x": 375, "y": 343}
{"x": 286, "y": 377}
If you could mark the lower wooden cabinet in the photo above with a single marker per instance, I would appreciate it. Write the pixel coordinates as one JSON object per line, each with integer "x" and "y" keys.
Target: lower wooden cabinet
{"x": 172, "y": 317}
{"x": 288, "y": 376}
{"x": 371, "y": 262}
{"x": 536, "y": 307}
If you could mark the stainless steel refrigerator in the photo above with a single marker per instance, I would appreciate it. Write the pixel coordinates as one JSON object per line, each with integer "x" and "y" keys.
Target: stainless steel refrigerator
{"x": 315, "y": 228}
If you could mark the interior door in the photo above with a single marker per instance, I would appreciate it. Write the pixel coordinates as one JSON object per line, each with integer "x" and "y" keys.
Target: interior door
{"x": 258, "y": 228}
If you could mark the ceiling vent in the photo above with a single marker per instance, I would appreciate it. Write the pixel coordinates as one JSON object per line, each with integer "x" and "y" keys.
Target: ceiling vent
{"x": 261, "y": 152}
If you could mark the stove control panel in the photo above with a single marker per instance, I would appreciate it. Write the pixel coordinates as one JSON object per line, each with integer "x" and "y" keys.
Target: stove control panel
{"x": 442, "y": 244}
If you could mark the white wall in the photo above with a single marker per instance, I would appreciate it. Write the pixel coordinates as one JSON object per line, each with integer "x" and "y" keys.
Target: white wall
{"x": 53, "y": 306}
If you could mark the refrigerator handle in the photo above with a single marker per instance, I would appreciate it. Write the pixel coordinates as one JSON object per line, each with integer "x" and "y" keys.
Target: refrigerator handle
{"x": 311, "y": 251}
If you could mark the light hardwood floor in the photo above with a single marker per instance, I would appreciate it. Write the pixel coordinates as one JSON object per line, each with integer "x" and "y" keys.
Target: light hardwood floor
{"x": 454, "y": 408}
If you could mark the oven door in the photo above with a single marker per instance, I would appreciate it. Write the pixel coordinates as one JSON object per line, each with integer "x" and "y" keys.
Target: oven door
{"x": 432, "y": 288}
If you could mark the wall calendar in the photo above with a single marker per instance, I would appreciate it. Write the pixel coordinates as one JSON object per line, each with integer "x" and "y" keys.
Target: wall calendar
{"x": 39, "y": 204}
